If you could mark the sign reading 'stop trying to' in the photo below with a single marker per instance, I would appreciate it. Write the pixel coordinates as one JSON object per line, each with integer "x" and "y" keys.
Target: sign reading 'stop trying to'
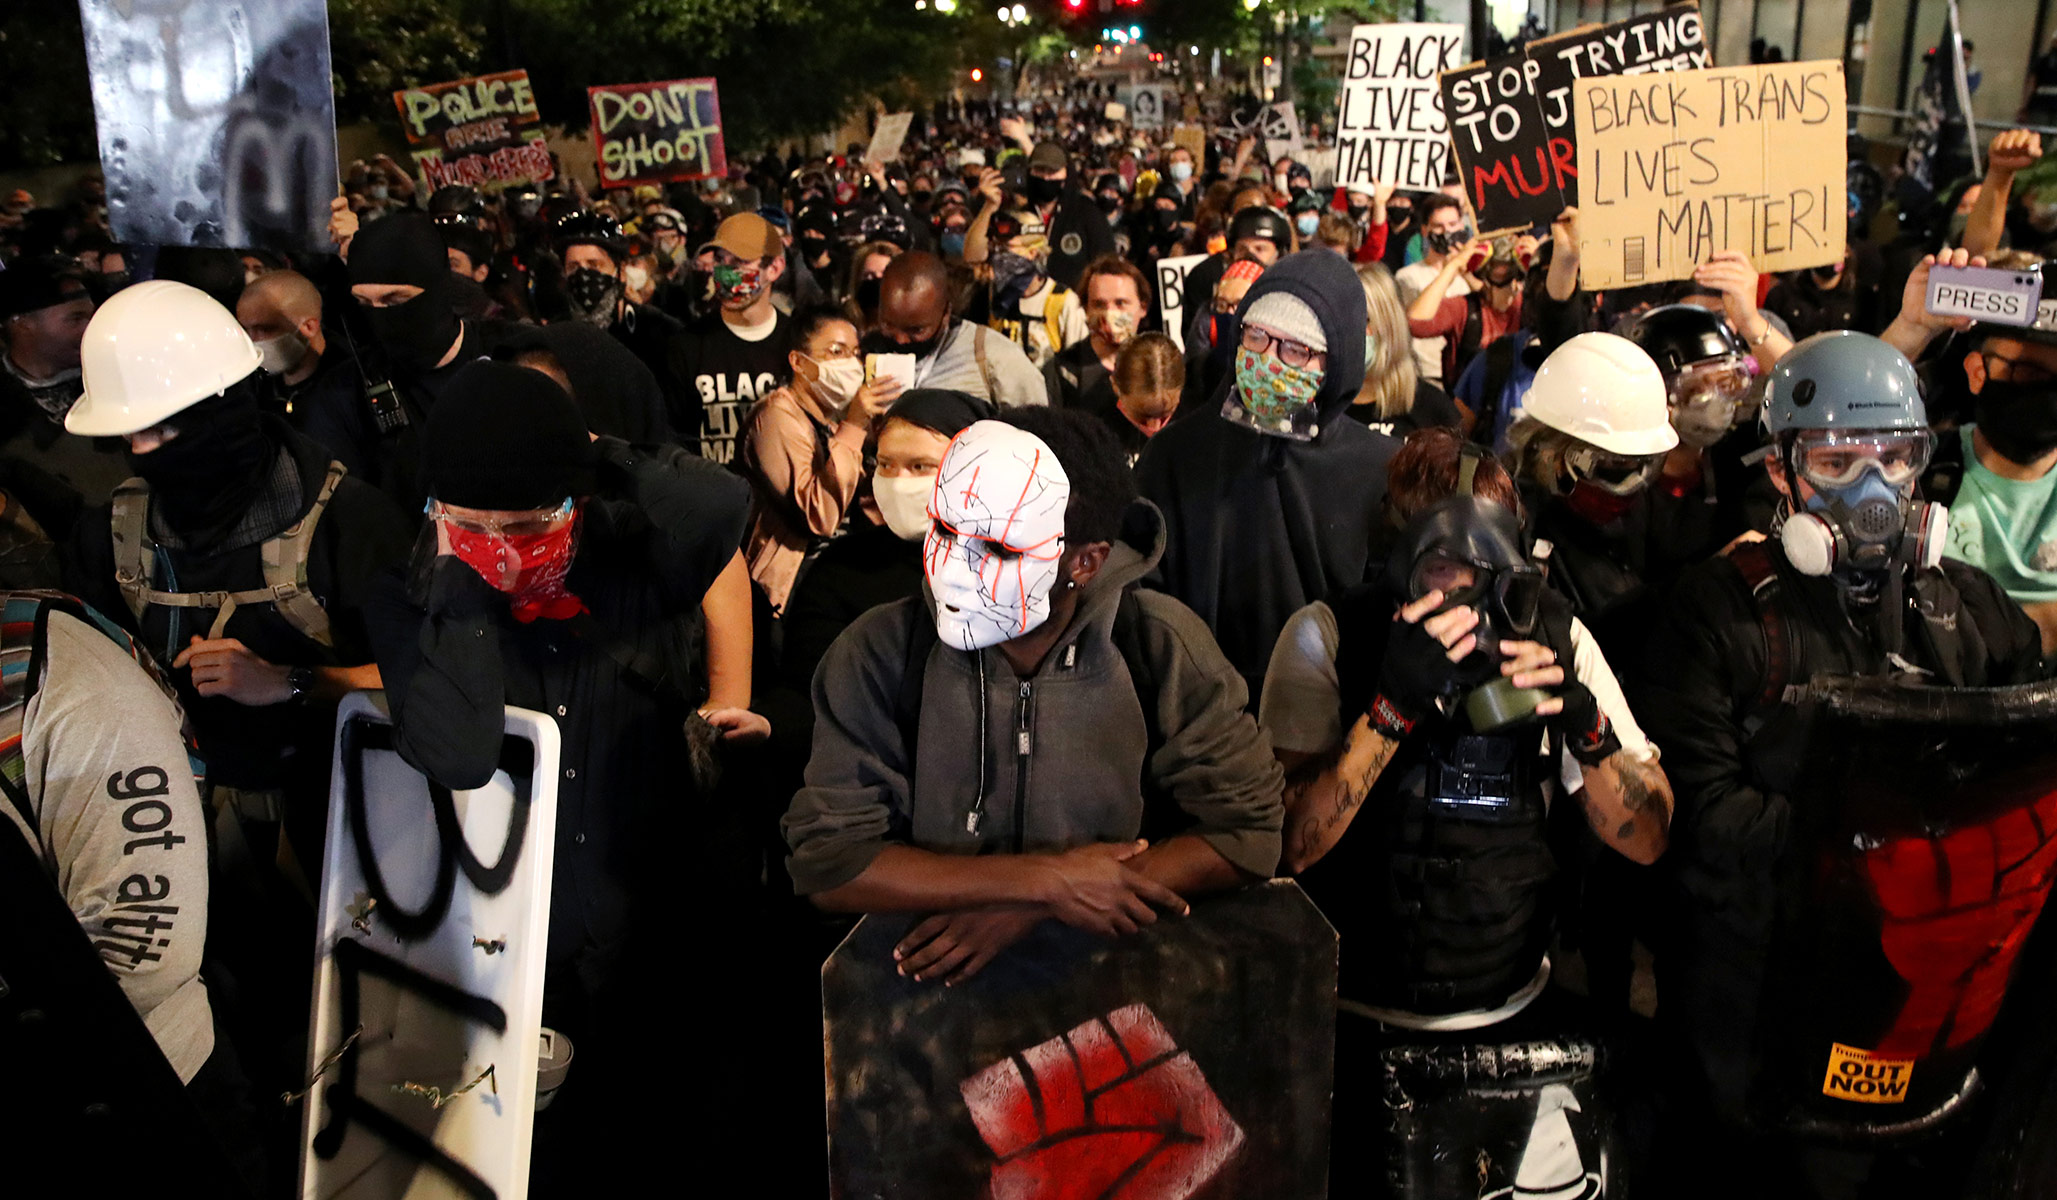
{"x": 1391, "y": 127}
{"x": 1675, "y": 167}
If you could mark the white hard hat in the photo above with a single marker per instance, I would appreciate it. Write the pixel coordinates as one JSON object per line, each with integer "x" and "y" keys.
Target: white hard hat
{"x": 1606, "y": 391}
{"x": 155, "y": 349}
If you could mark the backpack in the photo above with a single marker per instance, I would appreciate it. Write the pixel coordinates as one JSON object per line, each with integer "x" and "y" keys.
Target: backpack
{"x": 285, "y": 565}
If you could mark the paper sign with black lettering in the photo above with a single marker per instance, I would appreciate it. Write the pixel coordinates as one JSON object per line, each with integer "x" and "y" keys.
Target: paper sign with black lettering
{"x": 217, "y": 126}
{"x": 887, "y": 139}
{"x": 484, "y": 132}
{"x": 1675, "y": 167}
{"x": 1171, "y": 293}
{"x": 1510, "y": 118}
{"x": 1391, "y": 128}
{"x": 657, "y": 132}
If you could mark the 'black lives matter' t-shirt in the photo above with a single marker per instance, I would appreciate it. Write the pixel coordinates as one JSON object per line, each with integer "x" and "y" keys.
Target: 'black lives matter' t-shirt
{"x": 724, "y": 373}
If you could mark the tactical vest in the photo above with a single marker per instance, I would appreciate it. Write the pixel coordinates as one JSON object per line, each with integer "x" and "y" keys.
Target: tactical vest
{"x": 284, "y": 556}
{"x": 1455, "y": 891}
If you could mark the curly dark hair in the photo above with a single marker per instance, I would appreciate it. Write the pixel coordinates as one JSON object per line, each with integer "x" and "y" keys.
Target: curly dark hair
{"x": 1102, "y": 487}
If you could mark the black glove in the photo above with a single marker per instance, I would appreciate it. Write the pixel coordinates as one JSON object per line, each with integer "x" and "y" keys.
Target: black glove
{"x": 1588, "y": 734}
{"x": 1413, "y": 678}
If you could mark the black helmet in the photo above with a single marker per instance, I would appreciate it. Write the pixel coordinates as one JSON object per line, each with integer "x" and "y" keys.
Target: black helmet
{"x": 585, "y": 228}
{"x": 1267, "y": 223}
{"x": 454, "y": 200}
{"x": 1676, "y": 336}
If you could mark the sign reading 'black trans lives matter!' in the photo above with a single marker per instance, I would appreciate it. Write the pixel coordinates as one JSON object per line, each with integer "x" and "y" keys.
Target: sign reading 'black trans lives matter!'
{"x": 1391, "y": 127}
{"x": 1676, "y": 167}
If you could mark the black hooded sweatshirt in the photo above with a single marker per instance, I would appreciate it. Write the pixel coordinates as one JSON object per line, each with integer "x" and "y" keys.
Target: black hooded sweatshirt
{"x": 1260, "y": 526}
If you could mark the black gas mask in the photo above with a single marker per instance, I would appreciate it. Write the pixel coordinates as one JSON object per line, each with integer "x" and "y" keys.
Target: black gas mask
{"x": 1470, "y": 549}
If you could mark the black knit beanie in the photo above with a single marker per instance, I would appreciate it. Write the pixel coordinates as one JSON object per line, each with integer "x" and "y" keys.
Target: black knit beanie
{"x": 506, "y": 438}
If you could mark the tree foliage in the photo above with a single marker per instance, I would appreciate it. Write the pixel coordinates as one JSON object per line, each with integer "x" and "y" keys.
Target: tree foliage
{"x": 46, "y": 109}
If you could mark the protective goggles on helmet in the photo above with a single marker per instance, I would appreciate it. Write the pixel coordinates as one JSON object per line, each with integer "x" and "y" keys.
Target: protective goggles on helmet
{"x": 1621, "y": 474}
{"x": 507, "y": 525}
{"x": 1507, "y": 595}
{"x": 1724, "y": 378}
{"x": 1831, "y": 459}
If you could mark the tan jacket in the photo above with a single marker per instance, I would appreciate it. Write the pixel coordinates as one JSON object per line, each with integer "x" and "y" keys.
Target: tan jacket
{"x": 804, "y": 470}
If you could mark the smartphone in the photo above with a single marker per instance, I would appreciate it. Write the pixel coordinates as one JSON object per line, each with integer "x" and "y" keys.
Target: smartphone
{"x": 1984, "y": 294}
{"x": 890, "y": 366}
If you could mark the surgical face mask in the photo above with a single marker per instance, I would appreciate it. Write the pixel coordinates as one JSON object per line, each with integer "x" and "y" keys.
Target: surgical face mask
{"x": 1274, "y": 397}
{"x": 1307, "y": 223}
{"x": 1862, "y": 516}
{"x": 2019, "y": 419}
{"x": 837, "y": 381}
{"x": 1181, "y": 171}
{"x": 283, "y": 353}
{"x": 594, "y": 295}
{"x": 996, "y": 543}
{"x": 903, "y": 501}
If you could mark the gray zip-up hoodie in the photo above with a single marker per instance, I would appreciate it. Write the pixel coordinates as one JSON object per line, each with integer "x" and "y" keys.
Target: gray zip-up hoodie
{"x": 1059, "y": 754}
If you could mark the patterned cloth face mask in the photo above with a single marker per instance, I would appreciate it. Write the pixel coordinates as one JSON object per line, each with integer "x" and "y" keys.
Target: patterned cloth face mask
{"x": 997, "y": 535}
{"x": 1272, "y": 394}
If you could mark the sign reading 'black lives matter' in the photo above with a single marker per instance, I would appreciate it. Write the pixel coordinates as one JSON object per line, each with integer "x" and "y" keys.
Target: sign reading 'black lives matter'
{"x": 1391, "y": 127}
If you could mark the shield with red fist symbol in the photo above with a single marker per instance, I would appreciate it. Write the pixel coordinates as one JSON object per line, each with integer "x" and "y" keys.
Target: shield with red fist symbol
{"x": 1193, "y": 1059}
{"x": 1924, "y": 845}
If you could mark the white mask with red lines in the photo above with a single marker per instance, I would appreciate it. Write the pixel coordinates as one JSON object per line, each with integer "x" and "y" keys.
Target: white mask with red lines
{"x": 996, "y": 535}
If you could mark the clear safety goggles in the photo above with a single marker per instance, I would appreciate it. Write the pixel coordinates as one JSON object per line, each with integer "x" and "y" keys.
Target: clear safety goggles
{"x": 1832, "y": 459}
{"x": 1621, "y": 474}
{"x": 1713, "y": 381}
{"x": 534, "y": 523}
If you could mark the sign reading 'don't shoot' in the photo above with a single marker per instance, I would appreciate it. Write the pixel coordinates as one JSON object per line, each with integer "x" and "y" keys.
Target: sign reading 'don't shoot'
{"x": 1674, "y": 167}
{"x": 654, "y": 132}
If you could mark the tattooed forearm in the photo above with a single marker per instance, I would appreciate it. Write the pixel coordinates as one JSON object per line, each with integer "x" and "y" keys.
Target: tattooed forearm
{"x": 1643, "y": 788}
{"x": 1628, "y": 804}
{"x": 1321, "y": 802}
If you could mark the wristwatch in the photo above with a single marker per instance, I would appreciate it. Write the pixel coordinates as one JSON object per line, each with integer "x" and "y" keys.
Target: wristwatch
{"x": 299, "y": 683}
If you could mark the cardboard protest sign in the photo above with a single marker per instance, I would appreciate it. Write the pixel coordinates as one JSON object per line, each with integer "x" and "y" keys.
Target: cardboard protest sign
{"x": 1675, "y": 167}
{"x": 1194, "y": 139}
{"x": 887, "y": 139}
{"x": 1145, "y": 105}
{"x": 1510, "y": 118}
{"x": 1171, "y": 294}
{"x": 1391, "y": 127}
{"x": 654, "y": 132}
{"x": 204, "y": 144}
{"x": 1280, "y": 126}
{"x": 482, "y": 132}
{"x": 1115, "y": 111}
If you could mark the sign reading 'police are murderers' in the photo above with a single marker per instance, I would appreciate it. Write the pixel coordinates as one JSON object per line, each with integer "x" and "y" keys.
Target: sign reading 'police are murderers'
{"x": 482, "y": 132}
{"x": 655, "y": 132}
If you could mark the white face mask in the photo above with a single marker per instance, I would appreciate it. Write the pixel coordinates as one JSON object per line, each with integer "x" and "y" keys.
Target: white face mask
{"x": 904, "y": 502}
{"x": 993, "y": 551}
{"x": 282, "y": 353}
{"x": 837, "y": 381}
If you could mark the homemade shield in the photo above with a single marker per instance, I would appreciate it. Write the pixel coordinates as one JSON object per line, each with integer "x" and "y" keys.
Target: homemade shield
{"x": 217, "y": 125}
{"x": 1521, "y": 1121}
{"x": 1924, "y": 842}
{"x": 428, "y": 990}
{"x": 1197, "y": 1053}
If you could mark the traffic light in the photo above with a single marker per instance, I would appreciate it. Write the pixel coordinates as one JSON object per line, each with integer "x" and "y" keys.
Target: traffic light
{"x": 977, "y": 75}
{"x": 1074, "y": 5}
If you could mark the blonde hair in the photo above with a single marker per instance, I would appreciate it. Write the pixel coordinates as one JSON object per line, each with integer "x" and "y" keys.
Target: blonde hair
{"x": 1389, "y": 371}
{"x": 1149, "y": 365}
{"x": 1537, "y": 451}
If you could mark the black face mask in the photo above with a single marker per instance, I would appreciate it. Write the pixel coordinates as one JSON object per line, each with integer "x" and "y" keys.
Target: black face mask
{"x": 2018, "y": 419}
{"x": 1042, "y": 191}
{"x": 868, "y": 294}
{"x": 594, "y": 295}
{"x": 920, "y": 195}
{"x": 1167, "y": 220}
{"x": 206, "y": 478}
{"x": 417, "y": 334}
{"x": 813, "y": 246}
{"x": 1399, "y": 216}
{"x": 877, "y": 342}
{"x": 1443, "y": 243}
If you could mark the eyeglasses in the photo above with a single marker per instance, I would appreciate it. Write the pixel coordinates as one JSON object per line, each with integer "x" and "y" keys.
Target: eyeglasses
{"x": 1621, "y": 474}
{"x": 534, "y": 523}
{"x": 1828, "y": 459}
{"x": 2016, "y": 370}
{"x": 1257, "y": 340}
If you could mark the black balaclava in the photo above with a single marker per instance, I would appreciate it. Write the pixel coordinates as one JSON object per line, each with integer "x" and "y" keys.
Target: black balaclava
{"x": 206, "y": 478}
{"x": 406, "y": 249}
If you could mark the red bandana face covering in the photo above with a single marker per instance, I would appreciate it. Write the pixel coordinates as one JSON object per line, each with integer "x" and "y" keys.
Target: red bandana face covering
{"x": 530, "y": 568}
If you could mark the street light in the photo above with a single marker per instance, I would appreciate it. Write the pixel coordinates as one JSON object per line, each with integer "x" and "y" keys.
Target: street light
{"x": 1020, "y": 13}
{"x": 944, "y": 6}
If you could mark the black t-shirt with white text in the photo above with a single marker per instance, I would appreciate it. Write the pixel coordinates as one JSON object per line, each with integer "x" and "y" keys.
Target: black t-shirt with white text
{"x": 722, "y": 376}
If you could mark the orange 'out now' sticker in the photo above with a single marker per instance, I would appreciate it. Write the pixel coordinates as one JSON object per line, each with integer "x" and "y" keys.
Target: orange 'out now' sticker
{"x": 1865, "y": 1077}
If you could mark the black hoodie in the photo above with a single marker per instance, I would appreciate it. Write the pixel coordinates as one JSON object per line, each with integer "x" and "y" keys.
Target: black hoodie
{"x": 1261, "y": 526}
